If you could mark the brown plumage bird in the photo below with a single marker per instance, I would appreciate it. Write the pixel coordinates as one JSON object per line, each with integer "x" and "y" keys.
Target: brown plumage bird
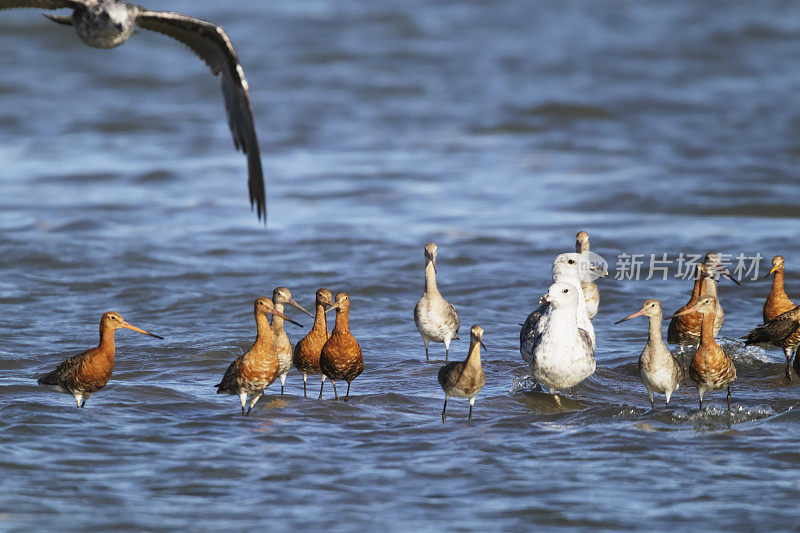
{"x": 464, "y": 379}
{"x": 341, "y": 356}
{"x": 782, "y": 331}
{"x": 251, "y": 373}
{"x": 86, "y": 373}
{"x": 777, "y": 302}
{"x": 283, "y": 346}
{"x": 307, "y": 350}
{"x": 711, "y": 368}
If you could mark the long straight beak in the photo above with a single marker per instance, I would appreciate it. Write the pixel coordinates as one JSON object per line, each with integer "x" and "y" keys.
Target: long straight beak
{"x": 728, "y": 275}
{"x": 774, "y": 267}
{"x": 685, "y": 312}
{"x": 640, "y": 312}
{"x": 286, "y": 318}
{"x": 483, "y": 345}
{"x": 332, "y": 307}
{"x": 140, "y": 330}
{"x": 300, "y": 307}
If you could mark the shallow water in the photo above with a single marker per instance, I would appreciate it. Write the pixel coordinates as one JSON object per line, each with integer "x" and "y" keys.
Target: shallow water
{"x": 497, "y": 130}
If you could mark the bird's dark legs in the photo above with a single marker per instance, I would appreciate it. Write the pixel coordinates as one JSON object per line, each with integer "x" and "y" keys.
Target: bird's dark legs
{"x": 729, "y": 397}
{"x": 788, "y": 353}
{"x": 243, "y": 414}
{"x": 334, "y": 390}
{"x": 304, "y": 386}
{"x": 444, "y": 409}
{"x": 248, "y": 410}
{"x": 701, "y": 403}
{"x": 321, "y": 385}
{"x": 446, "y": 353}
{"x": 426, "y": 352}
{"x": 470, "y": 413}
{"x": 281, "y": 388}
{"x": 796, "y": 364}
{"x": 347, "y": 396}
{"x": 83, "y": 403}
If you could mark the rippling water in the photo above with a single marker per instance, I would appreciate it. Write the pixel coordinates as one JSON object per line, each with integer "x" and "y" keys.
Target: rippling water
{"x": 497, "y": 129}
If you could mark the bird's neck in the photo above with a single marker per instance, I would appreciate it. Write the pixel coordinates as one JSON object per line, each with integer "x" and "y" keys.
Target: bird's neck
{"x": 474, "y": 357}
{"x": 698, "y": 285}
{"x": 654, "y": 334}
{"x": 707, "y": 329}
{"x": 430, "y": 279}
{"x": 106, "y": 339}
{"x": 777, "y": 283}
{"x": 277, "y": 322}
{"x": 264, "y": 333}
{"x": 709, "y": 287}
{"x": 320, "y": 320}
{"x": 342, "y": 324}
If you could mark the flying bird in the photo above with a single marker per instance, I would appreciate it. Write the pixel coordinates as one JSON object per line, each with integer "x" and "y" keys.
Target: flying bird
{"x": 109, "y": 23}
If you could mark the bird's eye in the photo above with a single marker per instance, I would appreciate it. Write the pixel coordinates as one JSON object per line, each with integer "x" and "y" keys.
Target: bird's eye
{"x": 571, "y": 261}
{"x": 565, "y": 291}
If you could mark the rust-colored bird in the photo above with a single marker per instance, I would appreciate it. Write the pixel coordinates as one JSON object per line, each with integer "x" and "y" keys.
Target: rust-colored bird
{"x": 711, "y": 368}
{"x": 777, "y": 302}
{"x": 307, "y": 350}
{"x": 86, "y": 373}
{"x": 341, "y": 356}
{"x": 251, "y": 373}
{"x": 464, "y": 379}
{"x": 283, "y": 346}
{"x": 684, "y": 328}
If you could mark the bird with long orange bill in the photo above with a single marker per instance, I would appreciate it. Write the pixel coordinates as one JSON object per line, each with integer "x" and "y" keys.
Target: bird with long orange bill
{"x": 711, "y": 368}
{"x": 464, "y": 379}
{"x": 307, "y": 351}
{"x": 86, "y": 373}
{"x": 341, "y": 357}
{"x": 251, "y": 373}
{"x": 659, "y": 370}
{"x": 684, "y": 328}
{"x": 777, "y": 304}
{"x": 283, "y": 346}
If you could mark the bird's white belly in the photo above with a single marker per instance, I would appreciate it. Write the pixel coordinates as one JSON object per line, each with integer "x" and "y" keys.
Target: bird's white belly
{"x": 432, "y": 320}
{"x": 660, "y": 381}
{"x": 561, "y": 363}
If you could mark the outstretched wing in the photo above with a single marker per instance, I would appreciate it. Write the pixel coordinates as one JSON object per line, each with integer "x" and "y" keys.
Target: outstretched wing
{"x": 211, "y": 43}
{"x": 40, "y": 4}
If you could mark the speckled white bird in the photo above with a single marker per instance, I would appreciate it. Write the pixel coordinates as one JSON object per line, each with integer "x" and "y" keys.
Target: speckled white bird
{"x": 435, "y": 317}
{"x": 658, "y": 368}
{"x": 563, "y": 355}
{"x": 566, "y": 269}
{"x": 283, "y": 346}
{"x": 590, "y": 290}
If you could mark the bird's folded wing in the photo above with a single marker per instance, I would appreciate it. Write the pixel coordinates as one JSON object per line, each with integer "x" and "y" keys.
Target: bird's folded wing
{"x": 211, "y": 43}
{"x": 40, "y": 4}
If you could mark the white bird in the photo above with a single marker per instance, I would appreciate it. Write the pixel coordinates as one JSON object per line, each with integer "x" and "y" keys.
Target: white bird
{"x": 435, "y": 317}
{"x": 658, "y": 368}
{"x": 566, "y": 269}
{"x": 590, "y": 290}
{"x": 109, "y": 23}
{"x": 283, "y": 346}
{"x": 563, "y": 355}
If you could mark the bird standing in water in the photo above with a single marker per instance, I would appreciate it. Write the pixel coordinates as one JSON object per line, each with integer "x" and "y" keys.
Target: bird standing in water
{"x": 283, "y": 346}
{"x": 251, "y": 373}
{"x": 341, "y": 357}
{"x": 589, "y": 287}
{"x": 307, "y": 351}
{"x": 110, "y": 23}
{"x": 562, "y": 354}
{"x": 435, "y": 317}
{"x": 658, "y": 368}
{"x": 781, "y": 331}
{"x": 778, "y": 303}
{"x": 711, "y": 368}
{"x": 464, "y": 379}
{"x": 86, "y": 373}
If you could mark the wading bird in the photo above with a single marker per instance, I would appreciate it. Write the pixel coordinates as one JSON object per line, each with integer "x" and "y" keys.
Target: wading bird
{"x": 86, "y": 373}
{"x": 435, "y": 317}
{"x": 464, "y": 379}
